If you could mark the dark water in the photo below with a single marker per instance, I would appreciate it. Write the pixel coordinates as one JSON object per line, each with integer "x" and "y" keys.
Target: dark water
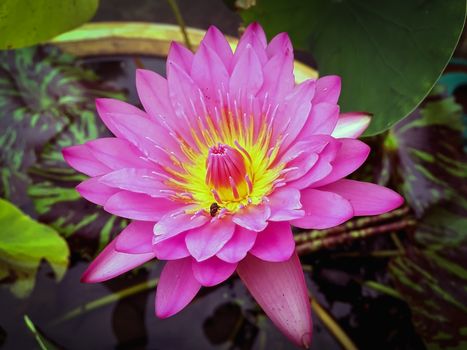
{"x": 220, "y": 318}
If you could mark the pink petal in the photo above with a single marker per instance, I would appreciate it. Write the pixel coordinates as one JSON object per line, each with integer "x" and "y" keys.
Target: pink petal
{"x": 247, "y": 76}
{"x": 315, "y": 144}
{"x": 293, "y": 113}
{"x": 172, "y": 249}
{"x": 209, "y": 72}
{"x": 138, "y": 206}
{"x": 253, "y": 218}
{"x": 321, "y": 120}
{"x": 302, "y": 156}
{"x": 118, "y": 153}
{"x": 153, "y": 140}
{"x": 184, "y": 93}
{"x": 105, "y": 106}
{"x": 238, "y": 246}
{"x": 110, "y": 263}
{"x": 328, "y": 89}
{"x": 300, "y": 166}
{"x": 275, "y": 243}
{"x": 350, "y": 156}
{"x": 136, "y": 180}
{"x": 215, "y": 40}
{"x": 176, "y": 222}
{"x": 154, "y": 94}
{"x": 284, "y": 203}
{"x": 280, "y": 290}
{"x": 176, "y": 287}
{"x": 181, "y": 56}
{"x": 321, "y": 168}
{"x": 212, "y": 271}
{"x": 256, "y": 29}
{"x": 205, "y": 241}
{"x": 351, "y": 125}
{"x": 136, "y": 238}
{"x": 366, "y": 198}
{"x": 323, "y": 210}
{"x": 280, "y": 44}
{"x": 279, "y": 69}
{"x": 255, "y": 38}
{"x": 80, "y": 158}
{"x": 95, "y": 192}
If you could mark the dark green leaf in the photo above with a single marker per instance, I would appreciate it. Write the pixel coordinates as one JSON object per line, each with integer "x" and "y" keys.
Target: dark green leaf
{"x": 24, "y": 23}
{"x": 23, "y": 244}
{"x": 389, "y": 53}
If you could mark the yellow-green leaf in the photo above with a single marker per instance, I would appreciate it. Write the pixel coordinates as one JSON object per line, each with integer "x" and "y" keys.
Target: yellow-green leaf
{"x": 25, "y": 22}
{"x": 24, "y": 242}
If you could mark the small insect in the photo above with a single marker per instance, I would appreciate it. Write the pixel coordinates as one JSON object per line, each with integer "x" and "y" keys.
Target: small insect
{"x": 213, "y": 209}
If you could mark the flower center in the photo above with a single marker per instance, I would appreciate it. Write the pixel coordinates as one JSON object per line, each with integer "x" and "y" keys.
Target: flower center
{"x": 226, "y": 174}
{"x": 231, "y": 161}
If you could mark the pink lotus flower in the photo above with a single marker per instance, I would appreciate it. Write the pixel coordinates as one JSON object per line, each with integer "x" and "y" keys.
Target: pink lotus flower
{"x": 228, "y": 154}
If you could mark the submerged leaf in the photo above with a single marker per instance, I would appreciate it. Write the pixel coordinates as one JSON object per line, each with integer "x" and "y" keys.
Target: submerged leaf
{"x": 430, "y": 159}
{"x": 432, "y": 277}
{"x": 47, "y": 102}
{"x": 24, "y": 243}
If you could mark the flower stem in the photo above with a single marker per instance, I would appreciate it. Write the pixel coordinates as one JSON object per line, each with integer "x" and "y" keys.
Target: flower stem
{"x": 351, "y": 225}
{"x": 178, "y": 16}
{"x": 108, "y": 299}
{"x": 43, "y": 343}
{"x": 332, "y": 325}
{"x": 316, "y": 244}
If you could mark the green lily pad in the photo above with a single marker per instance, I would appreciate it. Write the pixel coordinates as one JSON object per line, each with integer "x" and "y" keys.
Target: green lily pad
{"x": 23, "y": 244}
{"x": 24, "y": 23}
{"x": 388, "y": 53}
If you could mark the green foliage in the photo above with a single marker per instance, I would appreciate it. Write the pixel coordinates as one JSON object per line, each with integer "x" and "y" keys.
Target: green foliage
{"x": 432, "y": 276}
{"x": 422, "y": 157}
{"x": 25, "y": 23}
{"x": 388, "y": 53}
{"x": 429, "y": 157}
{"x": 47, "y": 103}
{"x": 37, "y": 88}
{"x": 23, "y": 244}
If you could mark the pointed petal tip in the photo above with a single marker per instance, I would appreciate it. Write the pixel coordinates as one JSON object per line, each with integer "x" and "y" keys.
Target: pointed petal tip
{"x": 101, "y": 104}
{"x": 176, "y": 289}
{"x": 163, "y": 314}
{"x": 280, "y": 290}
{"x": 306, "y": 340}
{"x": 352, "y": 124}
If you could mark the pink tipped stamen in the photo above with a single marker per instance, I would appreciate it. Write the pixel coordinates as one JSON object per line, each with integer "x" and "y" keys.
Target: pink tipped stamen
{"x": 249, "y": 183}
{"x": 216, "y": 196}
{"x": 288, "y": 170}
{"x": 234, "y": 188}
